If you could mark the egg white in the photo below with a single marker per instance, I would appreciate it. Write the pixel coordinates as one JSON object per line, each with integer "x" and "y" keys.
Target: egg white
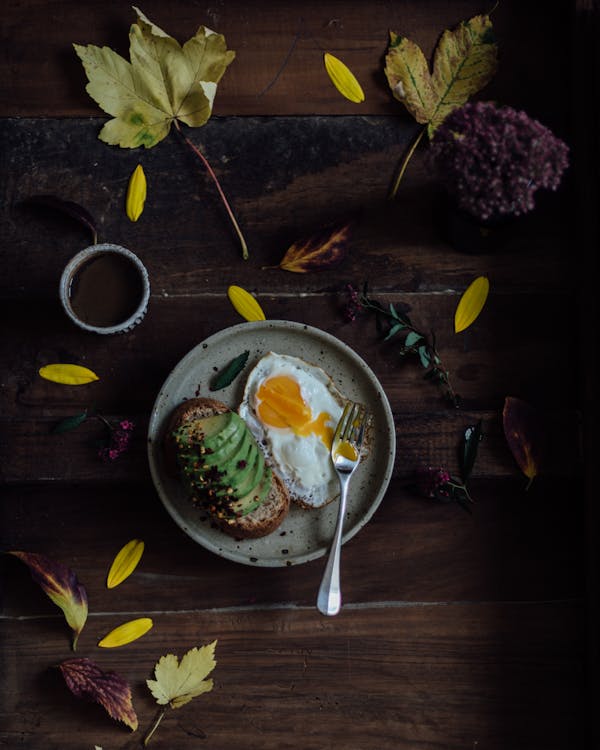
{"x": 302, "y": 462}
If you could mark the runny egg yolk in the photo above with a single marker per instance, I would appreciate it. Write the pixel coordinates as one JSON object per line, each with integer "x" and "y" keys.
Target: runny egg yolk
{"x": 281, "y": 405}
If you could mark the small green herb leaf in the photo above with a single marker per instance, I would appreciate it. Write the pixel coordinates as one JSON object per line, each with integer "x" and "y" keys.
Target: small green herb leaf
{"x": 424, "y": 355}
{"x": 471, "y": 439}
{"x": 394, "y": 330}
{"x": 70, "y": 423}
{"x": 228, "y": 374}
{"x": 412, "y": 338}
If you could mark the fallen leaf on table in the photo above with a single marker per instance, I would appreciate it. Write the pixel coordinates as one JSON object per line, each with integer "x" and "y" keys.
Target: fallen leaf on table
{"x": 465, "y": 60}
{"x": 471, "y": 303}
{"x": 60, "y": 584}
{"x": 343, "y": 79}
{"x": 86, "y": 680}
{"x": 177, "y": 682}
{"x": 136, "y": 194}
{"x": 245, "y": 304}
{"x": 126, "y": 633}
{"x": 68, "y": 374}
{"x": 524, "y": 434}
{"x": 165, "y": 83}
{"x": 227, "y": 375}
{"x": 69, "y": 423}
{"x": 472, "y": 436}
{"x": 324, "y": 249}
{"x": 125, "y": 563}
{"x": 74, "y": 210}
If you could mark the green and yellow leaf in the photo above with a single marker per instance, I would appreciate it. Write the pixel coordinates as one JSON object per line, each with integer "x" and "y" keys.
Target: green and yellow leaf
{"x": 163, "y": 82}
{"x": 60, "y": 584}
{"x": 409, "y": 78}
{"x": 126, "y": 633}
{"x": 125, "y": 562}
{"x": 136, "y": 194}
{"x": 465, "y": 60}
{"x": 86, "y": 680}
{"x": 68, "y": 374}
{"x": 471, "y": 303}
{"x": 343, "y": 79}
{"x": 245, "y": 304}
{"x": 177, "y": 683}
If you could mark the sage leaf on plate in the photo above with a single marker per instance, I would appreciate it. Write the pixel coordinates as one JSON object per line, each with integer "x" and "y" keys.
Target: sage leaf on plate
{"x": 228, "y": 374}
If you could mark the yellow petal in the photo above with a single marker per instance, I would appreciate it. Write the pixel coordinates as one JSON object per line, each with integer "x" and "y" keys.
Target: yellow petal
{"x": 136, "y": 194}
{"x": 125, "y": 563}
{"x": 471, "y": 303}
{"x": 343, "y": 79}
{"x": 68, "y": 374}
{"x": 245, "y": 303}
{"x": 126, "y": 633}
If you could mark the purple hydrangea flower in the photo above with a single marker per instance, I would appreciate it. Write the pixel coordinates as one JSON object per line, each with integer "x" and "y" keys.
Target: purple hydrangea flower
{"x": 493, "y": 159}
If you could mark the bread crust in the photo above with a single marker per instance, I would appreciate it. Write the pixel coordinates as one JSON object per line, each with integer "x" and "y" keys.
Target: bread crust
{"x": 260, "y": 522}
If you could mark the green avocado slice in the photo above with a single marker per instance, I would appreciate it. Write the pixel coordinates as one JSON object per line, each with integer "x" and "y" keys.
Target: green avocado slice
{"x": 251, "y": 501}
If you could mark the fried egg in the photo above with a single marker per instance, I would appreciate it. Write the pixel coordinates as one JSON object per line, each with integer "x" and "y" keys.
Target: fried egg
{"x": 292, "y": 407}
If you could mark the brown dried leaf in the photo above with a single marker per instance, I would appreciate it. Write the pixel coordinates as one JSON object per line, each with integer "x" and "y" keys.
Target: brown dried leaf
{"x": 524, "y": 434}
{"x": 86, "y": 680}
{"x": 322, "y": 250}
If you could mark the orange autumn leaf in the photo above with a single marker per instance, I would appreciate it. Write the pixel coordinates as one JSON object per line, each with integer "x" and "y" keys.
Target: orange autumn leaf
{"x": 322, "y": 250}
{"x": 524, "y": 434}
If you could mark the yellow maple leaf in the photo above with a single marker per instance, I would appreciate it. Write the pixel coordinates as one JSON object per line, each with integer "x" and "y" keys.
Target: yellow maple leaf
{"x": 163, "y": 82}
{"x": 177, "y": 682}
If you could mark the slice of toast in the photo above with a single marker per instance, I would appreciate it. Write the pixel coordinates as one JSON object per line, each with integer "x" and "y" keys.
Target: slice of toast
{"x": 260, "y": 522}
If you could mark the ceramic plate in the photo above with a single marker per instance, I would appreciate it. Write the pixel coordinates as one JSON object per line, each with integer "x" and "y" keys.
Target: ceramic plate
{"x": 305, "y": 534}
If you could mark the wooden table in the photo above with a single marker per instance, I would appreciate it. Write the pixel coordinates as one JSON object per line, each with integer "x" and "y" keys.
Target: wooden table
{"x": 458, "y": 631}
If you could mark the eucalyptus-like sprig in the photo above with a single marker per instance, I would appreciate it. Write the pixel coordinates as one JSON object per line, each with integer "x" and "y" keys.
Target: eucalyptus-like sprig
{"x": 393, "y": 322}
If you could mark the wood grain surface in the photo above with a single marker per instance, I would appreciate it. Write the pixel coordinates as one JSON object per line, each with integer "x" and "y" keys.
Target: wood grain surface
{"x": 470, "y": 631}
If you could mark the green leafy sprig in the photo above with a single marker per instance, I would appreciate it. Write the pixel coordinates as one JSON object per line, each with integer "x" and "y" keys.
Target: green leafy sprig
{"x": 393, "y": 322}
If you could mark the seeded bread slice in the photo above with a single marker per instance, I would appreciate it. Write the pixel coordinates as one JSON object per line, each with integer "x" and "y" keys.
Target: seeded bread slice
{"x": 260, "y": 522}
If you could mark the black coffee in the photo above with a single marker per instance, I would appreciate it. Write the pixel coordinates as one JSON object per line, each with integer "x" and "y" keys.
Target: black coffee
{"x": 106, "y": 290}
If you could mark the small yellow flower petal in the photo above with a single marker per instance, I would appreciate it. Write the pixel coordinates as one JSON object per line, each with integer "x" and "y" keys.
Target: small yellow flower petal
{"x": 126, "y": 633}
{"x": 343, "y": 79}
{"x": 68, "y": 374}
{"x": 125, "y": 563}
{"x": 245, "y": 303}
{"x": 471, "y": 303}
{"x": 136, "y": 194}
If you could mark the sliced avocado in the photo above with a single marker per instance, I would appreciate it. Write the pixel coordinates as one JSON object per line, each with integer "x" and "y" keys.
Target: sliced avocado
{"x": 251, "y": 501}
{"x": 239, "y": 466}
{"x": 219, "y": 428}
{"x": 221, "y": 456}
{"x": 253, "y": 477}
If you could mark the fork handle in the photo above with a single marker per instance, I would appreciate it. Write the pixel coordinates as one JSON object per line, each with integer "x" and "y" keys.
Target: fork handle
{"x": 329, "y": 598}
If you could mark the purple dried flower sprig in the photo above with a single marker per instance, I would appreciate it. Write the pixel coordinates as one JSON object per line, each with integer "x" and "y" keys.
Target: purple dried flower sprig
{"x": 117, "y": 441}
{"x": 436, "y": 483}
{"x": 492, "y": 160}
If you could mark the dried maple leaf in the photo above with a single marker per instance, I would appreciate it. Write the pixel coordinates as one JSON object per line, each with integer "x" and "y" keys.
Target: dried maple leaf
{"x": 60, "y": 584}
{"x": 322, "y": 250}
{"x": 177, "y": 682}
{"x": 86, "y": 680}
{"x": 165, "y": 83}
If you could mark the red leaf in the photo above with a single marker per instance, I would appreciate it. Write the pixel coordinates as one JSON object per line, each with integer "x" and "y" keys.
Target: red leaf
{"x": 86, "y": 680}
{"x": 524, "y": 434}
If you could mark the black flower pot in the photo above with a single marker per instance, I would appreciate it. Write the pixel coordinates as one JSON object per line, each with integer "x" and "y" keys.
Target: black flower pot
{"x": 468, "y": 234}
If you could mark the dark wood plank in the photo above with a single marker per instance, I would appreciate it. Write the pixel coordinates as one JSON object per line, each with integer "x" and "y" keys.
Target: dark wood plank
{"x": 516, "y": 545}
{"x": 286, "y": 178}
{"x": 41, "y": 75}
{"x": 427, "y": 677}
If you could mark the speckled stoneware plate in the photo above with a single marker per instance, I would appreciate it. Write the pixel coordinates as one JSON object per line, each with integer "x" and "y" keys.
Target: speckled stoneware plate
{"x": 305, "y": 534}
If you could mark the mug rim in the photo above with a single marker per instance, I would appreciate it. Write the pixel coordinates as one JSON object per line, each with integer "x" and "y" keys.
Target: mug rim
{"x": 73, "y": 266}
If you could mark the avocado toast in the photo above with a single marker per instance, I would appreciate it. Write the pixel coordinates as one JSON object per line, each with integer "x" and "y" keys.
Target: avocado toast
{"x": 223, "y": 469}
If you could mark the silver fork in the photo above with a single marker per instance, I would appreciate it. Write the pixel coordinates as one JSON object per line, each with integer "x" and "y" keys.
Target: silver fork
{"x": 345, "y": 455}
